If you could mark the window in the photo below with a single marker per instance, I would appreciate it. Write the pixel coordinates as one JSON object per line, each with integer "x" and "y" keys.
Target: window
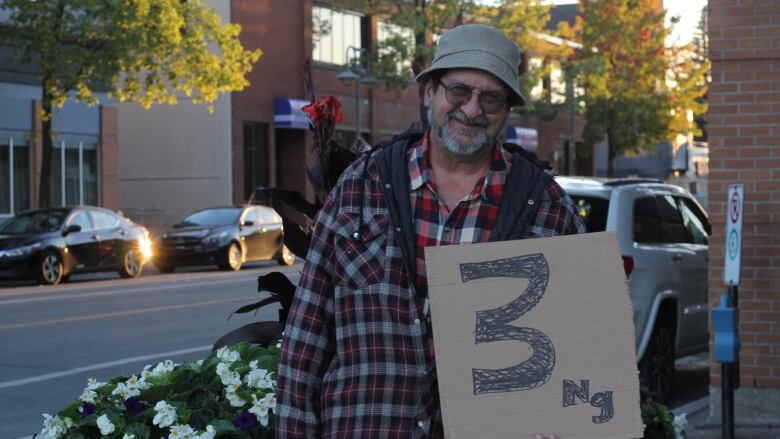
{"x": 14, "y": 174}
{"x": 334, "y": 32}
{"x": 104, "y": 220}
{"x": 647, "y": 228}
{"x": 74, "y": 173}
{"x": 672, "y": 228}
{"x": 269, "y": 216}
{"x": 593, "y": 212}
{"x": 694, "y": 221}
{"x": 81, "y": 219}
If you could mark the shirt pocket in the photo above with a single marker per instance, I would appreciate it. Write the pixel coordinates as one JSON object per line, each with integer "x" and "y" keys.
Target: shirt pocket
{"x": 361, "y": 258}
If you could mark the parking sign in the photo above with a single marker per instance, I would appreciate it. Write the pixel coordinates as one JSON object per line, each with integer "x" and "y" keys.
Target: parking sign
{"x": 733, "y": 253}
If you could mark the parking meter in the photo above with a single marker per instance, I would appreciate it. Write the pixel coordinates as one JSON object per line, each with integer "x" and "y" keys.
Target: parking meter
{"x": 724, "y": 321}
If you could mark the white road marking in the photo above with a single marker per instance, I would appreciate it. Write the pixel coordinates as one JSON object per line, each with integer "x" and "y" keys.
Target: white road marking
{"x": 78, "y": 370}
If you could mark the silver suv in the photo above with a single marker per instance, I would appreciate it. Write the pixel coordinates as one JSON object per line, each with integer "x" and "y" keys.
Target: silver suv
{"x": 663, "y": 235}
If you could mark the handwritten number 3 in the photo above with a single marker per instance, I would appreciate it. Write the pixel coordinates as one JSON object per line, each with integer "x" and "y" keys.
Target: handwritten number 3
{"x": 493, "y": 325}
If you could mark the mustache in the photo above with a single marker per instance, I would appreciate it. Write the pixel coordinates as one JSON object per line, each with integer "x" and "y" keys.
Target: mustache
{"x": 480, "y": 120}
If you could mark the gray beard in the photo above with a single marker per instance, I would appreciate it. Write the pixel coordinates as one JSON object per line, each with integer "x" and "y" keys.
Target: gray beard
{"x": 445, "y": 136}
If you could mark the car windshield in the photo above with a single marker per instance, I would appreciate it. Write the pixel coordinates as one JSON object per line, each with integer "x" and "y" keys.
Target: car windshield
{"x": 593, "y": 211}
{"x": 41, "y": 221}
{"x": 213, "y": 217}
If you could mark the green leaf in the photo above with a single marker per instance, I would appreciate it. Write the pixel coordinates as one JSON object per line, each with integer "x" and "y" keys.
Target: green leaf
{"x": 140, "y": 431}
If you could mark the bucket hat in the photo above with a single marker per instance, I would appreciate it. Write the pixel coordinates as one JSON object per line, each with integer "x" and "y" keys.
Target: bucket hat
{"x": 480, "y": 47}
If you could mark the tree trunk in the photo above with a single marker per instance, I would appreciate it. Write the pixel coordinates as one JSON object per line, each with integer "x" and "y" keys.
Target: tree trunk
{"x": 610, "y": 154}
{"x": 44, "y": 188}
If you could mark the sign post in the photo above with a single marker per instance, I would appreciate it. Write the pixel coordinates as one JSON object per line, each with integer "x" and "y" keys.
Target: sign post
{"x": 726, "y": 317}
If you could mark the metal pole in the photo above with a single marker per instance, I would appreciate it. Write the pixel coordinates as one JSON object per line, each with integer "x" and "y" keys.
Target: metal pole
{"x": 727, "y": 401}
{"x": 357, "y": 108}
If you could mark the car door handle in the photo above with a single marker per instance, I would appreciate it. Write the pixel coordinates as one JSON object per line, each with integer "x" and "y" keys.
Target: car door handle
{"x": 95, "y": 237}
{"x": 677, "y": 257}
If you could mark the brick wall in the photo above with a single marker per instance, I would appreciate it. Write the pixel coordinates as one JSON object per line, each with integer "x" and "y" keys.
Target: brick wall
{"x": 744, "y": 135}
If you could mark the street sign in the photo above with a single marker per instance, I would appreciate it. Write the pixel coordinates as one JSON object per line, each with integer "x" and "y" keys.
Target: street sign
{"x": 733, "y": 253}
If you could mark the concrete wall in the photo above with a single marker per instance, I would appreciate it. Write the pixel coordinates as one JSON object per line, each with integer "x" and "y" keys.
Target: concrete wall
{"x": 744, "y": 135}
{"x": 174, "y": 159}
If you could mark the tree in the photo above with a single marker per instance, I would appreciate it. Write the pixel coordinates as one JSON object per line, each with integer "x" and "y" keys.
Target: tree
{"x": 637, "y": 92}
{"x": 142, "y": 51}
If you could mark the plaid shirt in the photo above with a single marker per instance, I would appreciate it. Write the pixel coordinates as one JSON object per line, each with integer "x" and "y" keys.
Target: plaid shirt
{"x": 355, "y": 354}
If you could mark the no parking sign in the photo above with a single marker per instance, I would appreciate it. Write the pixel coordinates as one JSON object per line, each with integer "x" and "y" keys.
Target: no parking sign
{"x": 736, "y": 203}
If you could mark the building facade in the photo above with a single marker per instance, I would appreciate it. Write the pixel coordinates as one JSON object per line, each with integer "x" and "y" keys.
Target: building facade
{"x": 744, "y": 136}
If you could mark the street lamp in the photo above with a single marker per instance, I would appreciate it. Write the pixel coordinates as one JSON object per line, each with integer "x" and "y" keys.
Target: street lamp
{"x": 357, "y": 70}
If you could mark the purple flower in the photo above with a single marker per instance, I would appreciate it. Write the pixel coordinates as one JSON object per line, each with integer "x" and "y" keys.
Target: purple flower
{"x": 87, "y": 409}
{"x": 133, "y": 406}
{"x": 246, "y": 420}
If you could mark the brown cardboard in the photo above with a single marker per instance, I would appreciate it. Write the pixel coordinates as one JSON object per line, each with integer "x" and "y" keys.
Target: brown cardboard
{"x": 586, "y": 313}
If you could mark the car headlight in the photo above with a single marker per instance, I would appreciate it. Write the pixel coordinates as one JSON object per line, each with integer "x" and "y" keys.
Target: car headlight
{"x": 145, "y": 246}
{"x": 20, "y": 251}
{"x": 214, "y": 239}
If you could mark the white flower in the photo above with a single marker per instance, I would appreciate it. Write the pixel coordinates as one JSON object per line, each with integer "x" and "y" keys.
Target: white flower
{"x": 208, "y": 434}
{"x": 223, "y": 369}
{"x": 260, "y": 409}
{"x": 255, "y": 376}
{"x": 125, "y": 391}
{"x": 181, "y": 432}
{"x": 269, "y": 401}
{"x": 105, "y": 425}
{"x": 235, "y": 400}
{"x": 128, "y": 436}
{"x": 165, "y": 414}
{"x": 88, "y": 395}
{"x": 93, "y": 384}
{"x": 54, "y": 426}
{"x": 230, "y": 378}
{"x": 253, "y": 364}
{"x": 679, "y": 423}
{"x": 227, "y": 355}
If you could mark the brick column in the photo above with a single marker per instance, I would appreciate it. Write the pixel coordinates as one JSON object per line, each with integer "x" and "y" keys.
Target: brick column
{"x": 744, "y": 136}
{"x": 108, "y": 170}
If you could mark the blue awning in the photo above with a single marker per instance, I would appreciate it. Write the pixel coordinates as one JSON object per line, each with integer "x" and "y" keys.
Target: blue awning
{"x": 527, "y": 138}
{"x": 288, "y": 114}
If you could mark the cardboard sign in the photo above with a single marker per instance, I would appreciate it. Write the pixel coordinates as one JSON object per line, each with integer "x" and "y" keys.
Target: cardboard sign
{"x": 534, "y": 336}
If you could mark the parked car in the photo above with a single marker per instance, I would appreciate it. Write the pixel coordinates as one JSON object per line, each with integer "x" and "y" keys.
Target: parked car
{"x": 663, "y": 235}
{"x": 223, "y": 236}
{"x": 51, "y": 244}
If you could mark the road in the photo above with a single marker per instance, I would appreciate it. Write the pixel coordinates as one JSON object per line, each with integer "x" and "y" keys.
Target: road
{"x": 53, "y": 338}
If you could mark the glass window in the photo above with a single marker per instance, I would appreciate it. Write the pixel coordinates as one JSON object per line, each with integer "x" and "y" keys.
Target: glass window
{"x": 14, "y": 174}
{"x": 593, "y": 212}
{"x": 89, "y": 173}
{"x": 80, "y": 173}
{"x": 104, "y": 220}
{"x": 334, "y": 32}
{"x": 672, "y": 229}
{"x": 39, "y": 221}
{"x": 647, "y": 228}
{"x": 694, "y": 221}
{"x": 391, "y": 35}
{"x": 81, "y": 219}
{"x": 213, "y": 217}
{"x": 268, "y": 215}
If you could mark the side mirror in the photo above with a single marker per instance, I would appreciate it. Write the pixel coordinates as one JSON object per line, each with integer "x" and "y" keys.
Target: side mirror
{"x": 73, "y": 228}
{"x": 177, "y": 226}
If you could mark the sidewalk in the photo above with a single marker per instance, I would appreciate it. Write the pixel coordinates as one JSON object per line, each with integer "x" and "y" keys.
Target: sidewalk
{"x": 699, "y": 426}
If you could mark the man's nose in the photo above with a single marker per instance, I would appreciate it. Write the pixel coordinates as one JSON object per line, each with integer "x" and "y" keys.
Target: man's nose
{"x": 472, "y": 107}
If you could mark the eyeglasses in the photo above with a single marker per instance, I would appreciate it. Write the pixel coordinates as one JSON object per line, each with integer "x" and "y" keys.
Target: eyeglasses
{"x": 459, "y": 94}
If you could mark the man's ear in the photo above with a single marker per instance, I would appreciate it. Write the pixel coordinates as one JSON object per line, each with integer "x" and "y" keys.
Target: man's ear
{"x": 428, "y": 95}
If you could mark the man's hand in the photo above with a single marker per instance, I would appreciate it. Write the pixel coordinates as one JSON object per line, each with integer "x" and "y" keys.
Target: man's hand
{"x": 551, "y": 436}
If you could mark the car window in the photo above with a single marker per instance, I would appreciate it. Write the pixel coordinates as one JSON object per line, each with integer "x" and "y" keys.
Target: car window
{"x": 251, "y": 215}
{"x": 268, "y": 215}
{"x": 593, "y": 212}
{"x": 213, "y": 217}
{"x": 104, "y": 220}
{"x": 81, "y": 219}
{"x": 647, "y": 227}
{"x": 41, "y": 221}
{"x": 672, "y": 228}
{"x": 696, "y": 233}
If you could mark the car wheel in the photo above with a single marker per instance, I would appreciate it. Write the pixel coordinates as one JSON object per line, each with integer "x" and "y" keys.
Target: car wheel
{"x": 233, "y": 258}
{"x": 165, "y": 268}
{"x": 130, "y": 263}
{"x": 286, "y": 257}
{"x": 656, "y": 369}
{"x": 50, "y": 268}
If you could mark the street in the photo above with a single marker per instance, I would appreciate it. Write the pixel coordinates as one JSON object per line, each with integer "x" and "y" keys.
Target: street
{"x": 53, "y": 338}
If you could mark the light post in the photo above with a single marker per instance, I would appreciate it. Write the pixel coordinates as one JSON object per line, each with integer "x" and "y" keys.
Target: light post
{"x": 357, "y": 70}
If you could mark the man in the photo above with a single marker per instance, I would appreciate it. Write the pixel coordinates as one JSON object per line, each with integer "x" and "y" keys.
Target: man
{"x": 357, "y": 355}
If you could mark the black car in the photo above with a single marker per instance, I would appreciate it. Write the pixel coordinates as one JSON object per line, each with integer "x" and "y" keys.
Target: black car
{"x": 223, "y": 236}
{"x": 49, "y": 245}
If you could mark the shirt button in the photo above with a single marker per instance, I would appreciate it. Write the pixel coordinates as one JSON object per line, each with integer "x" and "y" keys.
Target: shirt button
{"x": 387, "y": 185}
{"x": 531, "y": 202}
{"x": 420, "y": 424}
{"x": 416, "y": 321}
{"x": 447, "y": 230}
